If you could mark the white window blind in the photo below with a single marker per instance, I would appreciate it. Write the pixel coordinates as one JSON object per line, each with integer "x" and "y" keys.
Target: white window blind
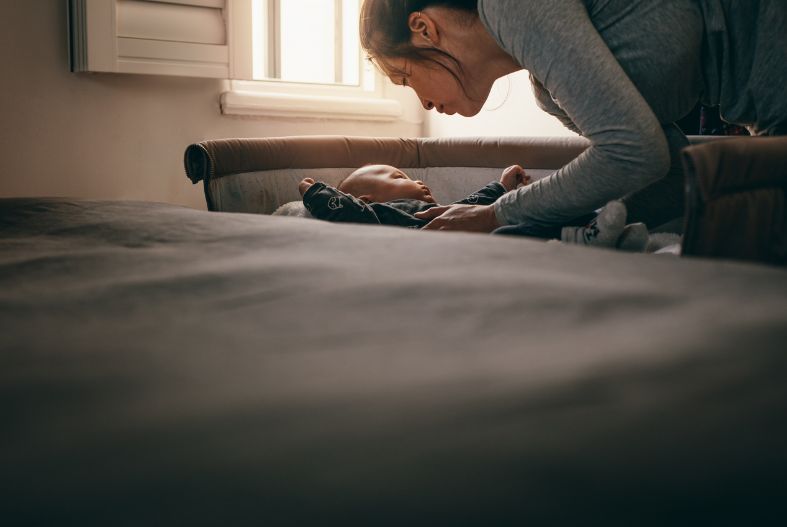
{"x": 196, "y": 38}
{"x": 256, "y": 43}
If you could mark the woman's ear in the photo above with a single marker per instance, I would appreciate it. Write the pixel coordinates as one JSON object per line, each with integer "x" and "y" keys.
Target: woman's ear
{"x": 423, "y": 29}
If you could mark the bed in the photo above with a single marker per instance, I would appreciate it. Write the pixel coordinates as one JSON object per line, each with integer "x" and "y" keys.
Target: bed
{"x": 168, "y": 366}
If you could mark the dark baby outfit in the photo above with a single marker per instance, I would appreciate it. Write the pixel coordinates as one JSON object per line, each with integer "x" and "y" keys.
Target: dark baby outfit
{"x": 328, "y": 203}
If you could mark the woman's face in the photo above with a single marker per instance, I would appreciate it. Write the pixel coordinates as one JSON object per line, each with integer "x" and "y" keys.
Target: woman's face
{"x": 436, "y": 87}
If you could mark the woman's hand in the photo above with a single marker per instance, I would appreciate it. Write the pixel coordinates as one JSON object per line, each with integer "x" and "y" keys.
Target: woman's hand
{"x": 514, "y": 176}
{"x": 304, "y": 185}
{"x": 472, "y": 218}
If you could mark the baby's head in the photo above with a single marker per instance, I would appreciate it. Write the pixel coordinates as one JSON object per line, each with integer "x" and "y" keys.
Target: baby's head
{"x": 379, "y": 183}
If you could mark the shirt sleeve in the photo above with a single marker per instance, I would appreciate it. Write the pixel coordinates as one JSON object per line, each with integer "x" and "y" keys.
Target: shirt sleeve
{"x": 558, "y": 44}
{"x": 486, "y": 196}
{"x": 328, "y": 203}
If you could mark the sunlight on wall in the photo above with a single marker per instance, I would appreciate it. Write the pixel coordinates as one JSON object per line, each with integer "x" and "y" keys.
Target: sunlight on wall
{"x": 510, "y": 111}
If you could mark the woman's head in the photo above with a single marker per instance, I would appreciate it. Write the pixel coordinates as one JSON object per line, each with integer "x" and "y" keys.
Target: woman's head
{"x": 414, "y": 42}
{"x": 386, "y": 30}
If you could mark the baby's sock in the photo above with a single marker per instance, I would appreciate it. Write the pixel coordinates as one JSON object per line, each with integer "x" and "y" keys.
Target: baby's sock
{"x": 634, "y": 238}
{"x": 603, "y": 231}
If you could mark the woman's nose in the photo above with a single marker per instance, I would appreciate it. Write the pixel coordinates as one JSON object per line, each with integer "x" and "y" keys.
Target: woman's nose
{"x": 428, "y": 105}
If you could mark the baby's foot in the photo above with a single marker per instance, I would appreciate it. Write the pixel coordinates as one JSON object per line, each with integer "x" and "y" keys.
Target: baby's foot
{"x": 634, "y": 238}
{"x": 603, "y": 231}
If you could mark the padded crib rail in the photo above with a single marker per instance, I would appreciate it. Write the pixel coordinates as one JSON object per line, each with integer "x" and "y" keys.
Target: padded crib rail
{"x": 735, "y": 192}
{"x": 217, "y": 158}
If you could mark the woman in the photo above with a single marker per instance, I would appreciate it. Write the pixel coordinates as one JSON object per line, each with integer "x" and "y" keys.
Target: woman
{"x": 619, "y": 72}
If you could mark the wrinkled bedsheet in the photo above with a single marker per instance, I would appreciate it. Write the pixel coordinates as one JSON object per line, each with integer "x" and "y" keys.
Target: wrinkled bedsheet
{"x": 167, "y": 366}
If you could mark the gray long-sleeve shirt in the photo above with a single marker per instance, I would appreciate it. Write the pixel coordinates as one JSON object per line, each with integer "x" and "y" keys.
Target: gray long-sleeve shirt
{"x": 619, "y": 71}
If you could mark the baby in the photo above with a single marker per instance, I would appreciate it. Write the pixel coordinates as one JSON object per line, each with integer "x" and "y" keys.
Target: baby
{"x": 385, "y": 195}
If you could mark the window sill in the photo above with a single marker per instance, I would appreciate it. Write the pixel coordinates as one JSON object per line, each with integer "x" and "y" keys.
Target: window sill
{"x": 245, "y": 103}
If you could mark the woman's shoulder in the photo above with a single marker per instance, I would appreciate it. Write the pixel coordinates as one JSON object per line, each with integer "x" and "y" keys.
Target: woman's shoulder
{"x": 527, "y": 28}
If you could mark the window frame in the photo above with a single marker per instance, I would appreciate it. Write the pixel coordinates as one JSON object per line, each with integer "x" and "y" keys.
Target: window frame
{"x": 301, "y": 100}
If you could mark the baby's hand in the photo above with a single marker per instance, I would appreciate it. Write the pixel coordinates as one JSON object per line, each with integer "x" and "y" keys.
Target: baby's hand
{"x": 514, "y": 176}
{"x": 304, "y": 185}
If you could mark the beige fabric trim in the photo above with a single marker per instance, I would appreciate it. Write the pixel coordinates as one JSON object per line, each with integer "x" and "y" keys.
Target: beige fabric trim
{"x": 530, "y": 152}
{"x": 217, "y": 158}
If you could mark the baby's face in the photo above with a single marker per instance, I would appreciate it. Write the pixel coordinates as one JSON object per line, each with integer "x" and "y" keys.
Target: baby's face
{"x": 379, "y": 183}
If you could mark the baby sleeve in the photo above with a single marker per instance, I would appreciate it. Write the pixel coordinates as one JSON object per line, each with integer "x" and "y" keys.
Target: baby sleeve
{"x": 328, "y": 203}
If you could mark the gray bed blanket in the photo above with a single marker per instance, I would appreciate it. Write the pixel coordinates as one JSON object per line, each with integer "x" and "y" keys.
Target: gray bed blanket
{"x": 166, "y": 366}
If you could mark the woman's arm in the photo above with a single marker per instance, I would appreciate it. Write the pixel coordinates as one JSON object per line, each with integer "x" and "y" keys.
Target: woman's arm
{"x": 557, "y": 42}
{"x": 471, "y": 218}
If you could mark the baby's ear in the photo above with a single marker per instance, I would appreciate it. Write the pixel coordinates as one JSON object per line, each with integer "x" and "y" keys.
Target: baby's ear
{"x": 366, "y": 198}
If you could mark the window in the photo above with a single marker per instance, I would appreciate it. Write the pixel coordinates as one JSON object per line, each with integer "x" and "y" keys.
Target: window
{"x": 307, "y": 62}
{"x": 306, "y": 41}
{"x": 296, "y": 58}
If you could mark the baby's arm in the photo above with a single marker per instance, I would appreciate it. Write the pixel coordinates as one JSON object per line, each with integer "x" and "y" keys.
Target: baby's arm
{"x": 485, "y": 196}
{"x": 513, "y": 177}
{"x": 304, "y": 185}
{"x": 327, "y": 203}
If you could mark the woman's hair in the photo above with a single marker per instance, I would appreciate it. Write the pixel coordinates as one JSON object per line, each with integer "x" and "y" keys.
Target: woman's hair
{"x": 385, "y": 32}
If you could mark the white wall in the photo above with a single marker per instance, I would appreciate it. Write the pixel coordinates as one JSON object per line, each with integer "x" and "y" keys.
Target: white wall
{"x": 109, "y": 136}
{"x": 510, "y": 110}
